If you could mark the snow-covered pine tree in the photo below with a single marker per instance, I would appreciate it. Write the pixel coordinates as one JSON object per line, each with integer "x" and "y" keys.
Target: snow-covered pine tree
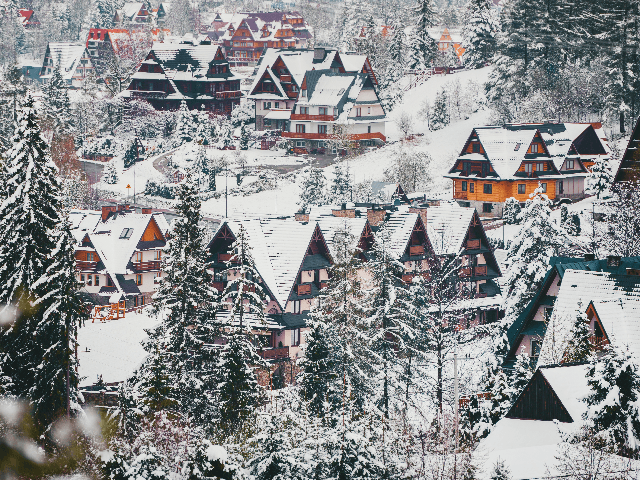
{"x": 29, "y": 216}
{"x": 185, "y": 127}
{"x": 423, "y": 46}
{"x": 500, "y": 471}
{"x": 521, "y": 374}
{"x": 340, "y": 185}
{"x": 601, "y": 177}
{"x": 410, "y": 169}
{"x": 440, "y": 117}
{"x": 225, "y": 134}
{"x": 511, "y": 211}
{"x": 110, "y": 174}
{"x": 54, "y": 393}
{"x": 187, "y": 304}
{"x": 57, "y": 106}
{"x": 478, "y": 33}
{"x": 539, "y": 238}
{"x": 312, "y": 188}
{"x": 131, "y": 155}
{"x": 614, "y": 382}
{"x": 579, "y": 347}
{"x": 500, "y": 396}
{"x": 355, "y": 457}
{"x": 156, "y": 388}
{"x": 244, "y": 136}
{"x": 104, "y": 12}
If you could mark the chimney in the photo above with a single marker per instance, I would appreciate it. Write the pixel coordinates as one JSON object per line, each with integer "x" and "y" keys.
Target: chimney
{"x": 319, "y": 53}
{"x": 589, "y": 257}
{"x": 613, "y": 261}
{"x": 106, "y": 211}
{"x": 146, "y": 211}
{"x": 344, "y": 212}
{"x": 422, "y": 211}
{"x": 302, "y": 217}
{"x": 375, "y": 216}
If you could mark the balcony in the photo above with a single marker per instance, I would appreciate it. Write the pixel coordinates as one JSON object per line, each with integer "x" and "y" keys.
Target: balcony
{"x": 293, "y": 95}
{"x": 322, "y": 285}
{"x": 275, "y": 353}
{"x": 248, "y": 288}
{"x": 480, "y": 271}
{"x": 408, "y": 277}
{"x": 84, "y": 265}
{"x": 473, "y": 244}
{"x": 460, "y": 195}
{"x": 224, "y": 257}
{"x": 464, "y": 272}
{"x": 416, "y": 250}
{"x": 228, "y": 95}
{"x": 285, "y": 78}
{"x": 154, "y": 265}
{"x": 304, "y": 289}
{"x": 328, "y": 136}
{"x": 306, "y": 116}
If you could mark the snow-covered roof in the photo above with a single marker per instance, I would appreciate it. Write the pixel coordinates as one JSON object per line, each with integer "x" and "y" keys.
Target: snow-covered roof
{"x": 83, "y": 222}
{"x": 570, "y": 385}
{"x": 66, "y": 55}
{"x": 447, "y": 225}
{"x": 584, "y": 287}
{"x": 399, "y": 227}
{"x": 620, "y": 319}
{"x": 330, "y": 90}
{"x": 131, "y": 9}
{"x": 330, "y": 225}
{"x": 505, "y": 149}
{"x": 172, "y": 56}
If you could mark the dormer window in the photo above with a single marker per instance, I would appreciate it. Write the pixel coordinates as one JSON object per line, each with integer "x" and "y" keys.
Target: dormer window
{"x": 528, "y": 167}
{"x": 570, "y": 165}
{"x": 304, "y": 93}
{"x": 475, "y": 147}
{"x": 126, "y": 233}
{"x": 534, "y": 148}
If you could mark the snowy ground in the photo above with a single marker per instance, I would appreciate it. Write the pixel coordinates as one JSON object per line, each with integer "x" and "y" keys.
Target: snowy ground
{"x": 112, "y": 349}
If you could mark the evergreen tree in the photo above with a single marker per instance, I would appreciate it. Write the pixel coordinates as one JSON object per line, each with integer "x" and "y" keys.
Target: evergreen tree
{"x": 579, "y": 347}
{"x": 29, "y": 216}
{"x": 110, "y": 174}
{"x": 244, "y": 136}
{"x": 312, "y": 188}
{"x": 57, "y": 105}
{"x": 104, "y": 12}
{"x": 500, "y": 471}
{"x": 613, "y": 401}
{"x": 522, "y": 373}
{"x": 55, "y": 391}
{"x": 185, "y": 126}
{"x": 131, "y": 155}
{"x": 539, "y": 238}
{"x": 478, "y": 33}
{"x": 156, "y": 388}
{"x": 340, "y": 185}
{"x": 423, "y": 47}
{"x": 601, "y": 177}
{"x": 511, "y": 211}
{"x": 187, "y": 303}
{"x": 440, "y": 116}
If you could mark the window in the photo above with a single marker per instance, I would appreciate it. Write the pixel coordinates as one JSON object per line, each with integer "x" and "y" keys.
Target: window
{"x": 322, "y": 110}
{"x": 544, "y": 187}
{"x": 475, "y": 147}
{"x": 546, "y": 313}
{"x": 335, "y": 112}
{"x": 276, "y": 105}
{"x": 139, "y": 279}
{"x": 464, "y": 186}
{"x": 528, "y": 167}
{"x": 82, "y": 278}
{"x": 138, "y": 256}
{"x": 320, "y": 144}
{"x": 540, "y": 167}
{"x": 534, "y": 148}
{"x": 126, "y": 233}
{"x": 368, "y": 110}
{"x": 521, "y": 189}
{"x": 471, "y": 187}
{"x": 109, "y": 282}
{"x": 322, "y": 129}
{"x": 487, "y": 207}
{"x": 296, "y": 306}
{"x": 488, "y": 188}
{"x": 158, "y": 254}
{"x": 358, "y": 112}
{"x": 569, "y": 164}
{"x": 535, "y": 348}
{"x": 304, "y": 110}
{"x": 89, "y": 256}
{"x": 369, "y": 129}
{"x": 300, "y": 143}
{"x": 304, "y": 92}
{"x": 295, "y": 337}
{"x": 300, "y": 128}
{"x": 89, "y": 280}
{"x": 97, "y": 281}
{"x": 266, "y": 105}
{"x": 560, "y": 187}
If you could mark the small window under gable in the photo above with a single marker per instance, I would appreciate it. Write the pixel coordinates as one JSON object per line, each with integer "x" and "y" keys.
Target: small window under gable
{"x": 126, "y": 233}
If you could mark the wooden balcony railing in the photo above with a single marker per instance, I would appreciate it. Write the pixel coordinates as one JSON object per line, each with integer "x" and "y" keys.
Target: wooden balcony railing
{"x": 147, "y": 266}
{"x": 304, "y": 289}
{"x": 598, "y": 343}
{"x": 460, "y": 195}
{"x": 480, "y": 270}
{"x": 248, "y": 288}
{"x": 292, "y": 94}
{"x": 473, "y": 244}
{"x": 322, "y": 285}
{"x": 274, "y": 353}
{"x": 306, "y": 116}
{"x": 227, "y": 95}
{"x": 224, "y": 257}
{"x": 464, "y": 272}
{"x": 219, "y": 286}
{"x": 415, "y": 250}
{"x": 84, "y": 265}
{"x": 285, "y": 78}
{"x": 408, "y": 277}
{"x": 327, "y": 136}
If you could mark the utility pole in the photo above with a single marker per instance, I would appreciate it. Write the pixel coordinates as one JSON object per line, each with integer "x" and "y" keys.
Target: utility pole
{"x": 456, "y": 395}
{"x": 226, "y": 191}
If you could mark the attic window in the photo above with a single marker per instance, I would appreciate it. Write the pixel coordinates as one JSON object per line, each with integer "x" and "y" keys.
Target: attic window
{"x": 341, "y": 91}
{"x": 517, "y": 147}
{"x": 126, "y": 233}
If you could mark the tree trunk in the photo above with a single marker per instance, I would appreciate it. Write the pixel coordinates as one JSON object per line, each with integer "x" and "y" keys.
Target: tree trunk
{"x": 439, "y": 387}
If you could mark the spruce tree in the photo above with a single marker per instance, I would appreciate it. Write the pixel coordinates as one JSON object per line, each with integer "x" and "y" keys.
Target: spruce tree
{"x": 511, "y": 211}
{"x": 110, "y": 174}
{"x": 440, "y": 116}
{"x": 424, "y": 47}
{"x": 185, "y": 128}
{"x": 312, "y": 188}
{"x": 340, "y": 185}
{"x": 522, "y": 373}
{"x": 244, "y": 136}
{"x": 55, "y": 391}
{"x": 29, "y": 216}
{"x": 479, "y": 34}
{"x": 57, "y": 111}
{"x": 601, "y": 177}
{"x": 131, "y": 155}
{"x": 614, "y": 382}
{"x": 579, "y": 347}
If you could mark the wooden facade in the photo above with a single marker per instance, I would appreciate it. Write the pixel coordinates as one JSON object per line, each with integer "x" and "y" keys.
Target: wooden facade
{"x": 629, "y": 169}
{"x": 538, "y": 401}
